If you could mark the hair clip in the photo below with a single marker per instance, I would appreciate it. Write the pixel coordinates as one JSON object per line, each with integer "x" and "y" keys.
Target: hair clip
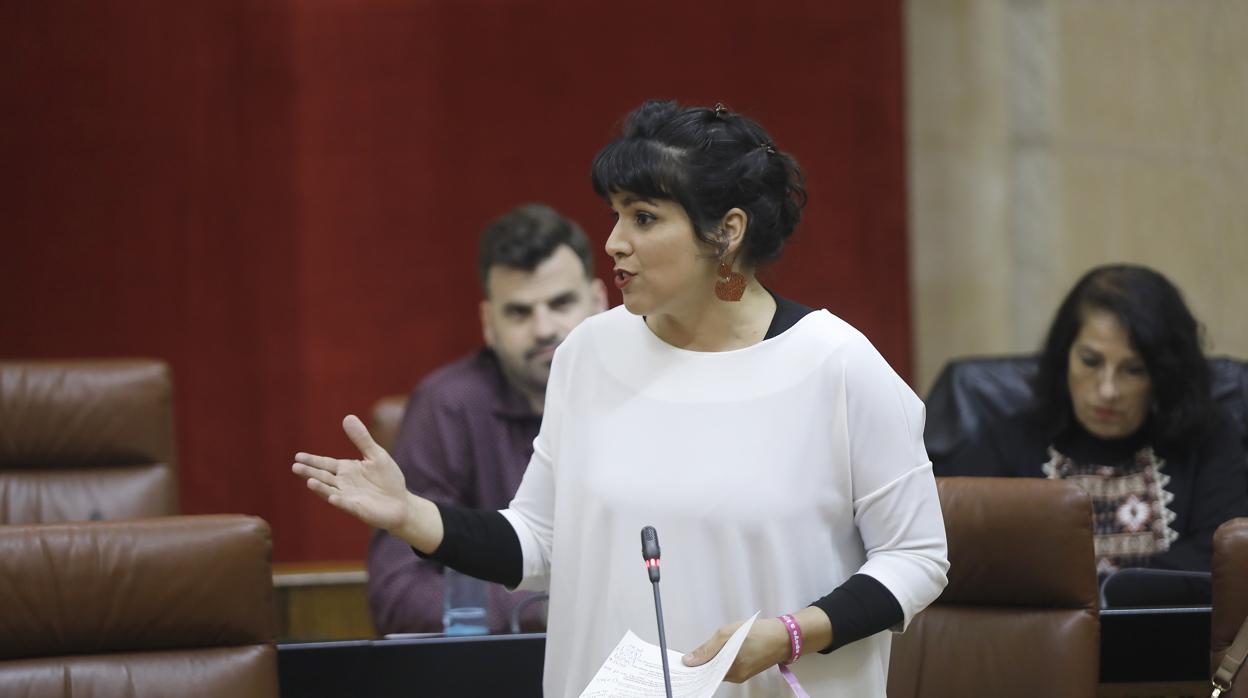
{"x": 771, "y": 149}
{"x": 720, "y": 110}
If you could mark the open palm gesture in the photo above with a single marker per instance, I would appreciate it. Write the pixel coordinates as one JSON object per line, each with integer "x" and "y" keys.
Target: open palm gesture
{"x": 370, "y": 488}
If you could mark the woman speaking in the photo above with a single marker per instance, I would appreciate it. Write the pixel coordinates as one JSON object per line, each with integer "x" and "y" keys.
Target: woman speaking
{"x": 773, "y": 448}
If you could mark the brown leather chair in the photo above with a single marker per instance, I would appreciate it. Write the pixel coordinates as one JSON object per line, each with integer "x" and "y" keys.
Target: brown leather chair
{"x": 387, "y": 418}
{"x": 1230, "y": 595}
{"x": 82, "y": 440}
{"x": 1020, "y": 615}
{"x": 177, "y": 606}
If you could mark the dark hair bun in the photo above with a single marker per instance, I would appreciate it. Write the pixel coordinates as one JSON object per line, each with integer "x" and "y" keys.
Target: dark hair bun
{"x": 709, "y": 160}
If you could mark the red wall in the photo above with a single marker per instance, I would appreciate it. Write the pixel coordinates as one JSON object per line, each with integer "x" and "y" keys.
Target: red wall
{"x": 282, "y": 199}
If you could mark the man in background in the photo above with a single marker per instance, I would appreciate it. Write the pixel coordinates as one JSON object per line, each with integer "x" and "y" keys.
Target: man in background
{"x": 467, "y": 434}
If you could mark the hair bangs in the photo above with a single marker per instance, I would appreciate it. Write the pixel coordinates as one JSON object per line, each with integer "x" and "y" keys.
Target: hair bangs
{"x": 638, "y": 166}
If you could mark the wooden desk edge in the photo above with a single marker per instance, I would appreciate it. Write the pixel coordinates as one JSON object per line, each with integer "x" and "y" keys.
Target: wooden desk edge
{"x": 308, "y": 574}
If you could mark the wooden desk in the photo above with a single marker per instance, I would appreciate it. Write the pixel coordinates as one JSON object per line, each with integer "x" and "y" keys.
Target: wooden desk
{"x": 322, "y": 601}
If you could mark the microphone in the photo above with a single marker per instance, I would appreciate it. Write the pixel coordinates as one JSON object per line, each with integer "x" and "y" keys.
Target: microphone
{"x": 650, "y": 551}
{"x": 650, "y": 554}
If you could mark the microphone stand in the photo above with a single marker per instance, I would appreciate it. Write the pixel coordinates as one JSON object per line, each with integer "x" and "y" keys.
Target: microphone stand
{"x": 658, "y": 610}
{"x": 650, "y": 553}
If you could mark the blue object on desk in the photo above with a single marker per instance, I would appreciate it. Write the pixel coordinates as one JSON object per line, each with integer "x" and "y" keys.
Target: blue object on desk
{"x": 464, "y": 602}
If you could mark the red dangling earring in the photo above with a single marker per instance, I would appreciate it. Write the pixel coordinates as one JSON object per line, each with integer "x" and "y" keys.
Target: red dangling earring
{"x": 731, "y": 284}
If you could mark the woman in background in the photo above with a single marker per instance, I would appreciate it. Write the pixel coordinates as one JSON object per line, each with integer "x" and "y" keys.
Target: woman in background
{"x": 1124, "y": 409}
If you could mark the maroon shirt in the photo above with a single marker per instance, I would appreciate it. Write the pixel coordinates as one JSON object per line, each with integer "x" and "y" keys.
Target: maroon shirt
{"x": 466, "y": 439}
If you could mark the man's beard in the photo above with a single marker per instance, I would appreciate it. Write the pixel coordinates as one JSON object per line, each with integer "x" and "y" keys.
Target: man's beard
{"x": 532, "y": 374}
{"x": 536, "y": 349}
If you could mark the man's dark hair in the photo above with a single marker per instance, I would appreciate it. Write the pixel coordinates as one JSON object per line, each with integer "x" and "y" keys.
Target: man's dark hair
{"x": 1161, "y": 329}
{"x": 526, "y": 236}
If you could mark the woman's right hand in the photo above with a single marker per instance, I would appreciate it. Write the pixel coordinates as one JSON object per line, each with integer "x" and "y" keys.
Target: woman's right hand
{"x": 372, "y": 489}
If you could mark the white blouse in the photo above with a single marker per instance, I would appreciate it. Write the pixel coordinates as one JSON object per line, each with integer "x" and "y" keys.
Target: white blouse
{"x": 772, "y": 473}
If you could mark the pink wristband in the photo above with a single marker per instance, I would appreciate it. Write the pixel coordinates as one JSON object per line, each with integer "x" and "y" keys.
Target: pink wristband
{"x": 795, "y": 637}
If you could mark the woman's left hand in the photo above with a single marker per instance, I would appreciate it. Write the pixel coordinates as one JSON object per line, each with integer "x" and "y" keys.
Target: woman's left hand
{"x": 766, "y": 645}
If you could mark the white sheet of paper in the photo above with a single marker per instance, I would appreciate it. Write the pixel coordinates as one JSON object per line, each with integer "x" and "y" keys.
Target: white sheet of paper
{"x": 634, "y": 669}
